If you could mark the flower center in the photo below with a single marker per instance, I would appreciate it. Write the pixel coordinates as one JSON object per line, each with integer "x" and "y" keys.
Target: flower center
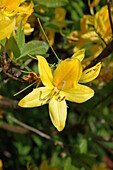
{"x": 57, "y": 94}
{"x": 54, "y": 93}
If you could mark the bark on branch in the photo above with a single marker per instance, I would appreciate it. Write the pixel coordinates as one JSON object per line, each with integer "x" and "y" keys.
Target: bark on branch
{"x": 107, "y": 51}
{"x": 8, "y": 103}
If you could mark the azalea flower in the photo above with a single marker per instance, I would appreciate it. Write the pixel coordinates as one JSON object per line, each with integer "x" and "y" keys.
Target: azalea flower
{"x": 102, "y": 24}
{"x": 10, "y": 15}
{"x": 86, "y": 34}
{"x": 24, "y": 12}
{"x": 61, "y": 85}
{"x": 93, "y": 28}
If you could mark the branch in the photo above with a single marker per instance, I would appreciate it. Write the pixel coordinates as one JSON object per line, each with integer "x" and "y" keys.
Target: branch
{"x": 8, "y": 103}
{"x": 36, "y": 131}
{"x": 105, "y": 53}
{"x": 101, "y": 138}
{"x": 102, "y": 100}
{"x": 110, "y": 14}
{"x": 12, "y": 77}
{"x": 13, "y": 128}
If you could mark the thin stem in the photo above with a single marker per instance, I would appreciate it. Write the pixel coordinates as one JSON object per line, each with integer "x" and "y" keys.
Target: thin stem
{"x": 23, "y": 56}
{"x": 48, "y": 40}
{"x": 36, "y": 131}
{"x": 32, "y": 57}
{"x": 12, "y": 77}
{"x": 110, "y": 15}
{"x": 90, "y": 7}
{"x": 29, "y": 127}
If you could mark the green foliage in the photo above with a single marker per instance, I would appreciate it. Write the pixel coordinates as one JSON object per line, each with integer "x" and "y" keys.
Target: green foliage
{"x": 88, "y": 134}
{"x": 34, "y": 47}
{"x": 53, "y": 3}
{"x": 68, "y": 165}
{"x": 20, "y": 37}
{"x": 14, "y": 47}
{"x": 21, "y": 49}
{"x": 2, "y": 43}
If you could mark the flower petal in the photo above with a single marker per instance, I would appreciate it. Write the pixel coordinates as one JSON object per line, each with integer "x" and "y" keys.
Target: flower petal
{"x": 90, "y": 74}
{"x": 6, "y": 27}
{"x": 80, "y": 54}
{"x": 10, "y": 7}
{"x": 58, "y": 113}
{"x": 45, "y": 71}
{"x": 78, "y": 94}
{"x": 90, "y": 35}
{"x": 25, "y": 10}
{"x": 37, "y": 97}
{"x": 67, "y": 73}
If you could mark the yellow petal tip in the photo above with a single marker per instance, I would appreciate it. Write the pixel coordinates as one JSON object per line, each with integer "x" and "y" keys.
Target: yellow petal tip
{"x": 60, "y": 128}
{"x": 22, "y": 103}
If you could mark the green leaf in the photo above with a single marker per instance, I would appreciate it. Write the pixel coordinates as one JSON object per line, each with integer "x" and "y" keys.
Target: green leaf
{"x": 83, "y": 146}
{"x": 34, "y": 47}
{"x": 3, "y": 42}
{"x": 37, "y": 140}
{"x": 53, "y": 3}
{"x": 108, "y": 145}
{"x": 14, "y": 47}
{"x": 68, "y": 165}
{"x": 52, "y": 25}
{"x": 20, "y": 38}
{"x": 84, "y": 160}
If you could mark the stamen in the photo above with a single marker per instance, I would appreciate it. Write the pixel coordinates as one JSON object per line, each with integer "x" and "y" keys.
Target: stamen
{"x": 40, "y": 96}
{"x": 64, "y": 82}
{"x": 57, "y": 93}
{"x": 42, "y": 99}
{"x": 54, "y": 92}
{"x": 61, "y": 99}
{"x": 50, "y": 96}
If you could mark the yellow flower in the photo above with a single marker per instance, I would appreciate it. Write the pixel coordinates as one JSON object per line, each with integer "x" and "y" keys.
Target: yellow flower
{"x": 9, "y": 8}
{"x": 61, "y": 85}
{"x": 7, "y": 19}
{"x": 28, "y": 29}
{"x": 95, "y": 29}
{"x": 24, "y": 11}
{"x": 79, "y": 38}
{"x": 10, "y": 15}
{"x": 102, "y": 24}
{"x": 6, "y": 27}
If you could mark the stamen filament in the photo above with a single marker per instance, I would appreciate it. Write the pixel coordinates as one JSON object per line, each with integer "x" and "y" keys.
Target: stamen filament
{"x": 48, "y": 40}
{"x": 24, "y": 88}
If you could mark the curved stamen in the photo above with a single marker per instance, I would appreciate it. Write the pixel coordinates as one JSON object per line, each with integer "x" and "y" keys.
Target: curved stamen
{"x": 48, "y": 97}
{"x": 54, "y": 92}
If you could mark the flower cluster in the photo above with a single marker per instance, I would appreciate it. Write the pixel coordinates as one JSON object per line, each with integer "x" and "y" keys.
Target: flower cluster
{"x": 94, "y": 28}
{"x": 11, "y": 13}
